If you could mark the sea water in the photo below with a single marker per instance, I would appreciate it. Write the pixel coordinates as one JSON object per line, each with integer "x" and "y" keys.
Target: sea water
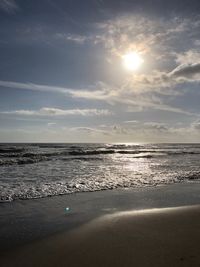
{"x": 41, "y": 170}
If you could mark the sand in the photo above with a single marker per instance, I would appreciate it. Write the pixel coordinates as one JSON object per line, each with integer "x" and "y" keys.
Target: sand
{"x": 154, "y": 237}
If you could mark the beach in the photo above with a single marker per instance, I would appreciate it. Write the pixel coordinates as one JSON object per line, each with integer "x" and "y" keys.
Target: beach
{"x": 100, "y": 133}
{"x": 146, "y": 227}
{"x": 161, "y": 237}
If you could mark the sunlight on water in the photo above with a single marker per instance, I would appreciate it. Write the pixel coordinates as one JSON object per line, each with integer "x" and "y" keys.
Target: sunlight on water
{"x": 40, "y": 170}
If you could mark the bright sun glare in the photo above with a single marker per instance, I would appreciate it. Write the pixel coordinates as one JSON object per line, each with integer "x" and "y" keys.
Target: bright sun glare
{"x": 132, "y": 61}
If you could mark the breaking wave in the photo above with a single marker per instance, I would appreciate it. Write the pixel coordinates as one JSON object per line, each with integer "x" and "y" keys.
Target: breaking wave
{"x": 41, "y": 170}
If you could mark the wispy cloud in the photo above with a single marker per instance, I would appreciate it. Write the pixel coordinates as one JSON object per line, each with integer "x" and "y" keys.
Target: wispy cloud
{"x": 187, "y": 57}
{"x": 34, "y": 87}
{"x": 132, "y": 122}
{"x": 196, "y": 125}
{"x": 54, "y": 112}
{"x": 139, "y": 130}
{"x": 76, "y": 38}
{"x": 156, "y": 126}
{"x": 149, "y": 35}
{"x": 9, "y": 6}
{"x": 90, "y": 130}
{"x": 137, "y": 100}
{"x": 129, "y": 98}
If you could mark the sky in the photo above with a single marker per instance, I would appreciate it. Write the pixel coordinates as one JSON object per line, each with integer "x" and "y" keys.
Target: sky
{"x": 63, "y": 76}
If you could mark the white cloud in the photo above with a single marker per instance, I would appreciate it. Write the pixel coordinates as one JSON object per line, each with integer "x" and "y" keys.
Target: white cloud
{"x": 141, "y": 132}
{"x": 76, "y": 38}
{"x": 129, "y": 98}
{"x": 46, "y": 111}
{"x": 111, "y": 130}
{"x": 144, "y": 132}
{"x": 196, "y": 125}
{"x": 156, "y": 126}
{"x": 132, "y": 122}
{"x": 188, "y": 57}
{"x": 136, "y": 94}
{"x": 34, "y": 87}
{"x": 90, "y": 130}
{"x": 146, "y": 35}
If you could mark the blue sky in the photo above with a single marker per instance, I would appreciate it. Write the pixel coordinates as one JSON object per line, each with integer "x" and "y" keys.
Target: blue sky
{"x": 62, "y": 77}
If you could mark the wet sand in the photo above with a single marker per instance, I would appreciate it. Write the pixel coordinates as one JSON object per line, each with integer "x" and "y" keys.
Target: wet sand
{"x": 153, "y": 237}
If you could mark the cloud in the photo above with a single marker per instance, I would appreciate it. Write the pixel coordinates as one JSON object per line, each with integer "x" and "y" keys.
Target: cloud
{"x": 51, "y": 124}
{"x": 154, "y": 36}
{"x": 90, "y": 130}
{"x": 59, "y": 112}
{"x": 141, "y": 131}
{"x": 164, "y": 83}
{"x": 9, "y": 6}
{"x": 108, "y": 130}
{"x": 195, "y": 125}
{"x": 118, "y": 129}
{"x": 188, "y": 57}
{"x": 33, "y": 86}
{"x": 155, "y": 39}
{"x": 186, "y": 70}
{"x": 129, "y": 98}
{"x": 76, "y": 38}
{"x": 146, "y": 128}
{"x": 132, "y": 122}
{"x": 156, "y": 126}
{"x": 136, "y": 94}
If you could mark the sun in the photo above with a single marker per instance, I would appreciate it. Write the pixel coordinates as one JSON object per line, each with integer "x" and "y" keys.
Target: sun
{"x": 132, "y": 61}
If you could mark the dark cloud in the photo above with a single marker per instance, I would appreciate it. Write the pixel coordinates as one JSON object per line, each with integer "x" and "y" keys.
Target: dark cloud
{"x": 186, "y": 70}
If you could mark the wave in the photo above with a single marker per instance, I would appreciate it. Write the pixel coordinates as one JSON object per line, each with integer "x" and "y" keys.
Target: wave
{"x": 81, "y": 158}
{"x": 193, "y": 176}
{"x": 11, "y": 150}
{"x": 35, "y": 157}
{"x": 15, "y": 154}
{"x": 91, "y": 152}
{"x": 22, "y": 161}
{"x": 108, "y": 151}
{"x": 25, "y": 191}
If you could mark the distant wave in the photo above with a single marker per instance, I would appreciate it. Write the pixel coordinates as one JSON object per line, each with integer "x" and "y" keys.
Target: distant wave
{"x": 21, "y": 161}
{"x": 19, "y": 156}
{"x": 98, "y": 152}
{"x": 11, "y": 150}
{"x": 91, "y": 152}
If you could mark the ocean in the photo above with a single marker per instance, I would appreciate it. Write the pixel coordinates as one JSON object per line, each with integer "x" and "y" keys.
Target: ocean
{"x": 29, "y": 171}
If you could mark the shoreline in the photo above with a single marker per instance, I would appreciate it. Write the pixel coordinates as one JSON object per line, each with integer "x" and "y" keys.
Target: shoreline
{"x": 22, "y": 222}
{"x": 154, "y": 237}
